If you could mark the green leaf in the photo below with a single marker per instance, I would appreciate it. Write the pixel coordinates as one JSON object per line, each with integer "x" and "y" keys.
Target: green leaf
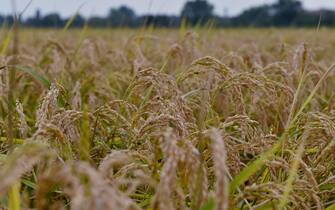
{"x": 331, "y": 207}
{"x": 210, "y": 205}
{"x": 6, "y": 43}
{"x": 29, "y": 183}
{"x": 16, "y": 141}
{"x": 35, "y": 75}
{"x": 329, "y": 186}
{"x": 292, "y": 173}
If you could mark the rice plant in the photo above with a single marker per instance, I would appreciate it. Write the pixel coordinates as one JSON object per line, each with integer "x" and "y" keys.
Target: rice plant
{"x": 166, "y": 119}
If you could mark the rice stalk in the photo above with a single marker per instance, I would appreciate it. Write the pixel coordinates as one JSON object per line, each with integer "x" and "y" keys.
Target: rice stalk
{"x": 14, "y": 197}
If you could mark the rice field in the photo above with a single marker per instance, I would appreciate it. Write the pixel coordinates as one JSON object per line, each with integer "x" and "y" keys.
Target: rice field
{"x": 159, "y": 119}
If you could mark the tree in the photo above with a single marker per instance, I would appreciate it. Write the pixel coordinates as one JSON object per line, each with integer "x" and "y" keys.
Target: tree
{"x": 77, "y": 22}
{"x": 286, "y": 11}
{"x": 122, "y": 16}
{"x": 97, "y": 22}
{"x": 34, "y": 21}
{"x": 256, "y": 16}
{"x": 52, "y": 20}
{"x": 2, "y": 20}
{"x": 38, "y": 15}
{"x": 160, "y": 21}
{"x": 198, "y": 11}
{"x": 282, "y": 13}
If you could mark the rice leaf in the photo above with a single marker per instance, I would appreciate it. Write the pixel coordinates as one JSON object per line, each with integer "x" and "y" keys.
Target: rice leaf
{"x": 32, "y": 72}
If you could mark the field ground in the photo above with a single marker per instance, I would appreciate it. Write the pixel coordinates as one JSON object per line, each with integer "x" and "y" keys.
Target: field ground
{"x": 169, "y": 119}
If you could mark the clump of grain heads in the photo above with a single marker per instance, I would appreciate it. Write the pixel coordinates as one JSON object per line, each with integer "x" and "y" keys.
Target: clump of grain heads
{"x": 220, "y": 167}
{"x": 24, "y": 128}
{"x": 161, "y": 120}
{"x": 47, "y": 107}
{"x": 20, "y": 162}
{"x": 166, "y": 195}
{"x": 76, "y": 98}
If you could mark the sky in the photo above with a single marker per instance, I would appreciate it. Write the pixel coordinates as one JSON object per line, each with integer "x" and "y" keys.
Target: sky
{"x": 101, "y": 7}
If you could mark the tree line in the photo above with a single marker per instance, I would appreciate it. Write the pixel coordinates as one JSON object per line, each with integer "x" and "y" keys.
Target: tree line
{"x": 283, "y": 13}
